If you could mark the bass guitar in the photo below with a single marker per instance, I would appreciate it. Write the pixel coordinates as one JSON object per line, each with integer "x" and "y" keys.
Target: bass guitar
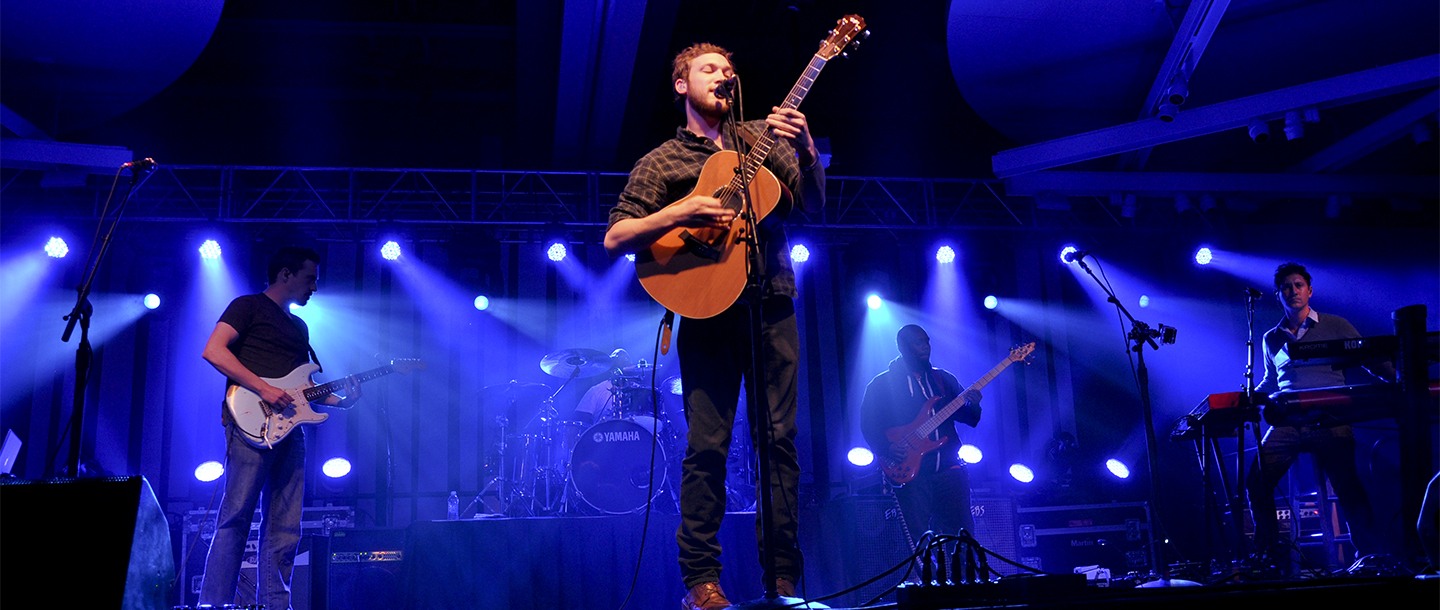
{"x": 914, "y": 437}
{"x": 262, "y": 425}
{"x": 700, "y": 272}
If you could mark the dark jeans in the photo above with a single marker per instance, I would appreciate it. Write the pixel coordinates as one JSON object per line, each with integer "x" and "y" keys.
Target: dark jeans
{"x": 280, "y": 473}
{"x": 937, "y": 501}
{"x": 714, "y": 357}
{"x": 1334, "y": 449}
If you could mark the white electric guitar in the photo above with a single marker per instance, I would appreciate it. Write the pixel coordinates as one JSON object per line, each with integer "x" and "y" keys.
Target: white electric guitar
{"x": 263, "y": 425}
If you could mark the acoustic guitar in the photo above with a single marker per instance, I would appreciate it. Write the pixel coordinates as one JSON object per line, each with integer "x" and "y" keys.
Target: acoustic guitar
{"x": 700, "y": 272}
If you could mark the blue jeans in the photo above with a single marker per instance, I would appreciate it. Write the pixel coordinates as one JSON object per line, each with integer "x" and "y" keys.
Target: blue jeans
{"x": 278, "y": 474}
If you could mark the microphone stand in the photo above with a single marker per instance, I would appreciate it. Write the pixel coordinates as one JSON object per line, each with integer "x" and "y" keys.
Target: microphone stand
{"x": 757, "y": 396}
{"x": 80, "y": 314}
{"x": 1140, "y": 334}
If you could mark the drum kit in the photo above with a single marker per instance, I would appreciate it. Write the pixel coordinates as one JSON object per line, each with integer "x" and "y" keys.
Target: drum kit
{"x": 551, "y": 465}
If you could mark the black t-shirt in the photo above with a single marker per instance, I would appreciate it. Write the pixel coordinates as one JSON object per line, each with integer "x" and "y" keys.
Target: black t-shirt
{"x": 272, "y": 341}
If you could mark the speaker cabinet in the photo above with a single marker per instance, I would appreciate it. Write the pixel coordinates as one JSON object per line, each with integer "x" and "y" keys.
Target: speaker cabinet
{"x": 362, "y": 570}
{"x": 96, "y": 543}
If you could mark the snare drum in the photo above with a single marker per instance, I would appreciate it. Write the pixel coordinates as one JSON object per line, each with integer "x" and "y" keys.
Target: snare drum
{"x": 610, "y": 467}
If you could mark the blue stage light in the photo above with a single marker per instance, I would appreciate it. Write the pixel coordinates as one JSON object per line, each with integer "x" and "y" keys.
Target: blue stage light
{"x": 56, "y": 248}
{"x": 1144, "y": 301}
{"x": 860, "y": 456}
{"x": 336, "y": 467}
{"x": 1203, "y": 256}
{"x": 1117, "y": 468}
{"x": 556, "y": 252}
{"x": 874, "y": 302}
{"x": 482, "y": 302}
{"x": 210, "y": 250}
{"x": 1067, "y": 250}
{"x": 991, "y": 302}
{"x": 209, "y": 471}
{"x": 945, "y": 255}
{"x": 1022, "y": 473}
{"x": 971, "y": 454}
{"x": 799, "y": 253}
{"x": 390, "y": 251}
{"x": 630, "y": 257}
{"x": 152, "y": 301}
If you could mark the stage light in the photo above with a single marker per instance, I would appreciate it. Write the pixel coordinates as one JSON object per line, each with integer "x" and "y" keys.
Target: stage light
{"x": 799, "y": 253}
{"x": 294, "y": 306}
{"x": 971, "y": 454}
{"x": 1168, "y": 111}
{"x": 1144, "y": 301}
{"x": 1128, "y": 206}
{"x": 482, "y": 302}
{"x": 152, "y": 301}
{"x": 1294, "y": 126}
{"x": 945, "y": 255}
{"x": 556, "y": 252}
{"x": 1021, "y": 473}
{"x": 56, "y": 248}
{"x": 630, "y": 257}
{"x": 390, "y": 251}
{"x": 1179, "y": 90}
{"x": 210, "y": 250}
{"x": 1259, "y": 131}
{"x": 873, "y": 301}
{"x": 1117, "y": 468}
{"x": 1203, "y": 256}
{"x": 991, "y": 302}
{"x": 209, "y": 471}
{"x": 1067, "y": 250}
{"x": 336, "y": 467}
{"x": 860, "y": 456}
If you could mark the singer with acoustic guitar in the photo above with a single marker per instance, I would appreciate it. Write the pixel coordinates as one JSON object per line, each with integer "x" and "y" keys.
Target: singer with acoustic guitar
{"x": 714, "y": 343}
{"x": 936, "y": 492}
{"x": 256, "y": 338}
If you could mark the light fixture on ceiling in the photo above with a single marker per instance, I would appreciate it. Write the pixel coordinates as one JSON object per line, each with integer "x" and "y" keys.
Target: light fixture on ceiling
{"x": 1294, "y": 126}
{"x": 1167, "y": 111}
{"x": 1129, "y": 205}
{"x": 1259, "y": 131}
{"x": 1179, "y": 90}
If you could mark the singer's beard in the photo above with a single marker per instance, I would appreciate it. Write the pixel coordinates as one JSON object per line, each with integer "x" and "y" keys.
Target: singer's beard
{"x": 706, "y": 104}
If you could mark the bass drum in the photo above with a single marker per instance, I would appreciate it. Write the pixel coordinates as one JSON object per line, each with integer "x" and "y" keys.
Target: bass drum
{"x": 610, "y": 467}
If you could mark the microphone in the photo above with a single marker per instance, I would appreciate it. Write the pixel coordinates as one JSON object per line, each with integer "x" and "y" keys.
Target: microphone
{"x": 1074, "y": 256}
{"x": 146, "y": 165}
{"x": 1253, "y": 293}
{"x": 727, "y": 87}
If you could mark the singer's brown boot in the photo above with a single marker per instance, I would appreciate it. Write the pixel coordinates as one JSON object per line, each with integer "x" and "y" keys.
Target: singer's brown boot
{"x": 705, "y": 596}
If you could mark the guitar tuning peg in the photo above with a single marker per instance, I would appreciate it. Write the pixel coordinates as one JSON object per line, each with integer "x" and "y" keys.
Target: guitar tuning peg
{"x": 865, "y": 35}
{"x": 845, "y": 55}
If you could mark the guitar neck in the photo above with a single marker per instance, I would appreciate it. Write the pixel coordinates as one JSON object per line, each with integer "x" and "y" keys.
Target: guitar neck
{"x": 323, "y": 390}
{"x": 949, "y": 409}
{"x": 766, "y": 141}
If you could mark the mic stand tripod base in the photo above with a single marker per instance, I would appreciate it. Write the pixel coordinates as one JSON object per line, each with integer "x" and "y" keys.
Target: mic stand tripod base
{"x": 779, "y": 602}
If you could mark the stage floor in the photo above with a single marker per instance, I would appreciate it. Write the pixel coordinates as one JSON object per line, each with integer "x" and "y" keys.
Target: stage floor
{"x": 590, "y": 562}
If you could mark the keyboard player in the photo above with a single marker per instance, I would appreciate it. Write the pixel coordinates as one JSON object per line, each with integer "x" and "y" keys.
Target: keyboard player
{"x": 1332, "y": 446}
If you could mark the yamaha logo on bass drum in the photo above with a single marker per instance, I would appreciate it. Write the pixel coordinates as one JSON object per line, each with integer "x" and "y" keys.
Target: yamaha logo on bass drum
{"x": 623, "y": 435}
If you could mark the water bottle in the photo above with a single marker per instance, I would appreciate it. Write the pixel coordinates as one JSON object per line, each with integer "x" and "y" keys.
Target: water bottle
{"x": 452, "y": 510}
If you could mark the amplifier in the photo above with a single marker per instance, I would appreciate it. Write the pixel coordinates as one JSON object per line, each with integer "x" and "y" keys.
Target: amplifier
{"x": 199, "y": 529}
{"x": 362, "y": 570}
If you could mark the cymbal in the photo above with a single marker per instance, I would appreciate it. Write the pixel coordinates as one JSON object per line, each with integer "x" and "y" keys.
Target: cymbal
{"x": 516, "y": 391}
{"x": 575, "y": 362}
{"x": 672, "y": 385}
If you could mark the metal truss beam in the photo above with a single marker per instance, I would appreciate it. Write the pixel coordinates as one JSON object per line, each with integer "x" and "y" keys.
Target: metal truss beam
{"x": 1265, "y": 185}
{"x": 1331, "y": 92}
{"x": 1370, "y": 138}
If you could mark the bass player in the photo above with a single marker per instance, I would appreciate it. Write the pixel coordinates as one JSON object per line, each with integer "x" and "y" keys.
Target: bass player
{"x": 938, "y": 498}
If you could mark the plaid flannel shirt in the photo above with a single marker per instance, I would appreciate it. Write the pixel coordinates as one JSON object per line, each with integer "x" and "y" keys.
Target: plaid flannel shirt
{"x": 670, "y": 172}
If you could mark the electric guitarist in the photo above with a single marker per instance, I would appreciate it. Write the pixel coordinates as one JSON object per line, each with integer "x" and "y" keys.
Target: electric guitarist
{"x": 257, "y": 337}
{"x": 938, "y": 497}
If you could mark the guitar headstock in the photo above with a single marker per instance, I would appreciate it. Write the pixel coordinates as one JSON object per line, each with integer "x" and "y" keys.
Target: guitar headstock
{"x": 1021, "y": 353}
{"x": 405, "y": 365}
{"x": 849, "y": 31}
